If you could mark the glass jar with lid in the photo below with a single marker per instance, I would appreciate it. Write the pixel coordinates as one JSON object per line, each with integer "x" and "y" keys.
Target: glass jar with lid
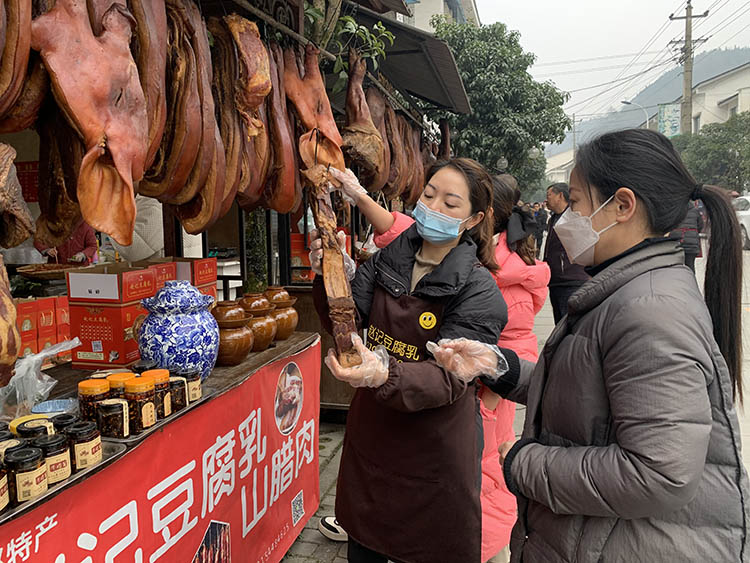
{"x": 178, "y": 390}
{"x": 27, "y": 474}
{"x": 193, "y": 379}
{"x": 161, "y": 388}
{"x": 35, "y": 428}
{"x": 8, "y": 443}
{"x": 63, "y": 420}
{"x": 4, "y": 492}
{"x": 56, "y": 455}
{"x": 90, "y": 392}
{"x": 117, "y": 384}
{"x": 85, "y": 444}
{"x": 140, "y": 395}
{"x": 112, "y": 418}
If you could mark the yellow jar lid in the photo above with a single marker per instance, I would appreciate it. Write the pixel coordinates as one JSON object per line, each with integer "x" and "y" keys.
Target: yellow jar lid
{"x": 93, "y": 386}
{"x": 117, "y": 380}
{"x": 139, "y": 384}
{"x": 16, "y": 422}
{"x": 158, "y": 375}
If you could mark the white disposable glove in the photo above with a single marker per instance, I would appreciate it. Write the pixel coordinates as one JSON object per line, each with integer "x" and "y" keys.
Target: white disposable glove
{"x": 468, "y": 359}
{"x": 316, "y": 254}
{"x": 350, "y": 188}
{"x": 78, "y": 257}
{"x": 372, "y": 372}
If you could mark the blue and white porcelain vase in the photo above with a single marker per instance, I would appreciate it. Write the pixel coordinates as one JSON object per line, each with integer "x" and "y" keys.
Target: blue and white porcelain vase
{"x": 179, "y": 332}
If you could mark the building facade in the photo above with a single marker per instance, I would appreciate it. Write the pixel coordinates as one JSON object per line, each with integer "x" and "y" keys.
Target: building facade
{"x": 462, "y": 11}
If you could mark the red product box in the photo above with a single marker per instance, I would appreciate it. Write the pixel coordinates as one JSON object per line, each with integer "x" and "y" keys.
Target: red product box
{"x": 106, "y": 334}
{"x": 46, "y": 314}
{"x": 165, "y": 271}
{"x": 209, "y": 289}
{"x": 198, "y": 271}
{"x": 62, "y": 310}
{"x": 110, "y": 284}
{"x": 63, "y": 333}
{"x": 47, "y": 337}
{"x": 28, "y": 346}
{"x": 26, "y": 317}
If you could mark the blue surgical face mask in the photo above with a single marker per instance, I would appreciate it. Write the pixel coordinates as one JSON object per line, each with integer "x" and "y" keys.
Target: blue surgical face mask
{"x": 435, "y": 227}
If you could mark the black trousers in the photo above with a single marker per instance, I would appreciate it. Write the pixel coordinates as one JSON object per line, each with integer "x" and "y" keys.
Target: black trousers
{"x": 357, "y": 553}
{"x": 690, "y": 261}
{"x": 558, "y": 296}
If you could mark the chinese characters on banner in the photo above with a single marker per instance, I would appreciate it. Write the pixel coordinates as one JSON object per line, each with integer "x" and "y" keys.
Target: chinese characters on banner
{"x": 237, "y": 475}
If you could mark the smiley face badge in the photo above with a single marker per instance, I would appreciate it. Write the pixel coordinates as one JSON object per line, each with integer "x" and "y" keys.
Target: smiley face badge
{"x": 427, "y": 320}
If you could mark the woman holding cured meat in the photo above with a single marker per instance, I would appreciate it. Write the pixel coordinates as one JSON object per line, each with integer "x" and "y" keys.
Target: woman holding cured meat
{"x": 409, "y": 480}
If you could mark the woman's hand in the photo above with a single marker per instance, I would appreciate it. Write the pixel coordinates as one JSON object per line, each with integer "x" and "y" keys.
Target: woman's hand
{"x": 350, "y": 186}
{"x": 372, "y": 372}
{"x": 468, "y": 359}
{"x": 316, "y": 254}
{"x": 504, "y": 449}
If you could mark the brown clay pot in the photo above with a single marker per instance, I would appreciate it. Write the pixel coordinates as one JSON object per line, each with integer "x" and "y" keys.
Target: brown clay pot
{"x": 254, "y": 301}
{"x": 277, "y": 294}
{"x": 236, "y": 339}
{"x": 286, "y": 318}
{"x": 229, "y": 311}
{"x": 264, "y": 328}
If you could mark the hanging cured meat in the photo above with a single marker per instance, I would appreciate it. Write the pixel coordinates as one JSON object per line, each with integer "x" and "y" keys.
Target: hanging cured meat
{"x": 15, "y": 59}
{"x": 224, "y": 57}
{"x": 95, "y": 83}
{"x": 418, "y": 179}
{"x": 281, "y": 189}
{"x": 181, "y": 139}
{"x": 338, "y": 290}
{"x": 60, "y": 156}
{"x": 376, "y": 103}
{"x": 428, "y": 157}
{"x": 190, "y": 18}
{"x": 321, "y": 143}
{"x": 362, "y": 143}
{"x": 253, "y": 80}
{"x": 256, "y": 163}
{"x": 10, "y": 340}
{"x": 398, "y": 175}
{"x": 411, "y": 158}
{"x": 444, "y": 153}
{"x": 24, "y": 112}
{"x": 16, "y": 224}
{"x": 202, "y": 197}
{"x": 150, "y": 52}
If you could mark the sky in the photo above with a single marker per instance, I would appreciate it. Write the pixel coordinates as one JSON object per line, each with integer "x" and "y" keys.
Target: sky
{"x": 559, "y": 32}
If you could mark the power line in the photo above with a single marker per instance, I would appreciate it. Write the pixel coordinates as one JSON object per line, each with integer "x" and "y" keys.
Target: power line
{"x": 553, "y": 63}
{"x": 730, "y": 16}
{"x": 614, "y": 81}
{"x": 735, "y": 35}
{"x": 579, "y": 71}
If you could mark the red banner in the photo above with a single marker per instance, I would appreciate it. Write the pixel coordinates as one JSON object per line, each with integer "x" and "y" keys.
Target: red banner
{"x": 234, "y": 480}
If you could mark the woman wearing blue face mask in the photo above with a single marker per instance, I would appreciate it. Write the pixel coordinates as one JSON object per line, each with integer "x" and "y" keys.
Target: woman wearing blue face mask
{"x": 409, "y": 480}
{"x": 631, "y": 448}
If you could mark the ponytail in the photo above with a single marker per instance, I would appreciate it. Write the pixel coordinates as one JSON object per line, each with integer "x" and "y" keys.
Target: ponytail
{"x": 723, "y": 284}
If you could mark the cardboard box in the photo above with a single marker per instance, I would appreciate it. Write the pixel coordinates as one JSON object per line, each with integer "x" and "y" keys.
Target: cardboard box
{"x": 165, "y": 271}
{"x": 198, "y": 271}
{"x": 110, "y": 284}
{"x": 26, "y": 317}
{"x": 209, "y": 289}
{"x": 63, "y": 333}
{"x": 28, "y": 346}
{"x": 46, "y": 314}
{"x": 105, "y": 301}
{"x": 62, "y": 310}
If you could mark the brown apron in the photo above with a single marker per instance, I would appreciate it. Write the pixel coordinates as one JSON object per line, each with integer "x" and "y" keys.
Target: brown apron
{"x": 409, "y": 482}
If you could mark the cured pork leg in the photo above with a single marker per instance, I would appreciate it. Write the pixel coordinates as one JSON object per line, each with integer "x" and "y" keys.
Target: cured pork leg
{"x": 16, "y": 225}
{"x": 411, "y": 159}
{"x": 362, "y": 143}
{"x": 376, "y": 103}
{"x": 95, "y": 82}
{"x": 338, "y": 290}
{"x": 256, "y": 163}
{"x": 10, "y": 340}
{"x": 150, "y": 50}
{"x": 398, "y": 175}
{"x": 24, "y": 112}
{"x": 16, "y": 50}
{"x": 419, "y": 175}
{"x": 444, "y": 152}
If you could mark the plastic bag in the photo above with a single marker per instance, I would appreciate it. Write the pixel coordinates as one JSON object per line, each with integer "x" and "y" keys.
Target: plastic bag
{"x": 29, "y": 385}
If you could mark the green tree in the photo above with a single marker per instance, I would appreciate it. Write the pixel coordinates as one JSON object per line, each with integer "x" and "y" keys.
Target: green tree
{"x": 720, "y": 153}
{"x": 512, "y": 113}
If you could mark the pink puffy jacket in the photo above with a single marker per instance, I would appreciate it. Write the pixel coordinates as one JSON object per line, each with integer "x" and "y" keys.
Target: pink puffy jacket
{"x": 524, "y": 289}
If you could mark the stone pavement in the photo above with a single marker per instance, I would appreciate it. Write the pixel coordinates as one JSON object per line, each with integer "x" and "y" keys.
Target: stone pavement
{"x": 313, "y": 547}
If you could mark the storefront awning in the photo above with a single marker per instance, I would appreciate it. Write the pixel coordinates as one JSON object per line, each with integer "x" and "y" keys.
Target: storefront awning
{"x": 420, "y": 64}
{"x": 383, "y": 6}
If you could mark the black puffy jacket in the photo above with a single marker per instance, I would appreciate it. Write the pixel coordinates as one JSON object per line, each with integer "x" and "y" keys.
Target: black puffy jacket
{"x": 688, "y": 233}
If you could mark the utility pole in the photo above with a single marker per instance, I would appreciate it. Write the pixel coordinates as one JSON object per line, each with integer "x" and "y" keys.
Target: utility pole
{"x": 686, "y": 108}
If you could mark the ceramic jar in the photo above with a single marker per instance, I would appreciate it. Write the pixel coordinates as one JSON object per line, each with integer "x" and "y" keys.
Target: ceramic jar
{"x": 236, "y": 339}
{"x": 286, "y": 318}
{"x": 276, "y": 295}
{"x": 179, "y": 333}
{"x": 264, "y": 328}
{"x": 254, "y": 301}
{"x": 229, "y": 311}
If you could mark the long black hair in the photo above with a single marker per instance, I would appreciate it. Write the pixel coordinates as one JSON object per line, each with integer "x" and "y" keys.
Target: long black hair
{"x": 647, "y": 163}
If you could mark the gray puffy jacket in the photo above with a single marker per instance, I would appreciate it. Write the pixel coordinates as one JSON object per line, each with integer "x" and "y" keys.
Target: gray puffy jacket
{"x": 634, "y": 450}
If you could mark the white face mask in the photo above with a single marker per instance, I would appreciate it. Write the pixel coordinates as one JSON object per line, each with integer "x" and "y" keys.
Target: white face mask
{"x": 577, "y": 235}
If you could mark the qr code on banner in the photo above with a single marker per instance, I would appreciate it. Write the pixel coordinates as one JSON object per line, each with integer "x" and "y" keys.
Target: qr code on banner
{"x": 298, "y": 508}
{"x": 96, "y": 346}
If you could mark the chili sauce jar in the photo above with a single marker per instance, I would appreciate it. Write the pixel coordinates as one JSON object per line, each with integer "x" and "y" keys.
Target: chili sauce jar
{"x": 142, "y": 366}
{"x": 27, "y": 474}
{"x": 90, "y": 392}
{"x": 117, "y": 384}
{"x": 35, "y": 428}
{"x": 193, "y": 379}
{"x": 4, "y": 427}
{"x": 8, "y": 443}
{"x": 140, "y": 395}
{"x": 178, "y": 390}
{"x": 112, "y": 418}
{"x": 163, "y": 398}
{"x": 4, "y": 493}
{"x": 56, "y": 455}
{"x": 85, "y": 444}
{"x": 62, "y": 421}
